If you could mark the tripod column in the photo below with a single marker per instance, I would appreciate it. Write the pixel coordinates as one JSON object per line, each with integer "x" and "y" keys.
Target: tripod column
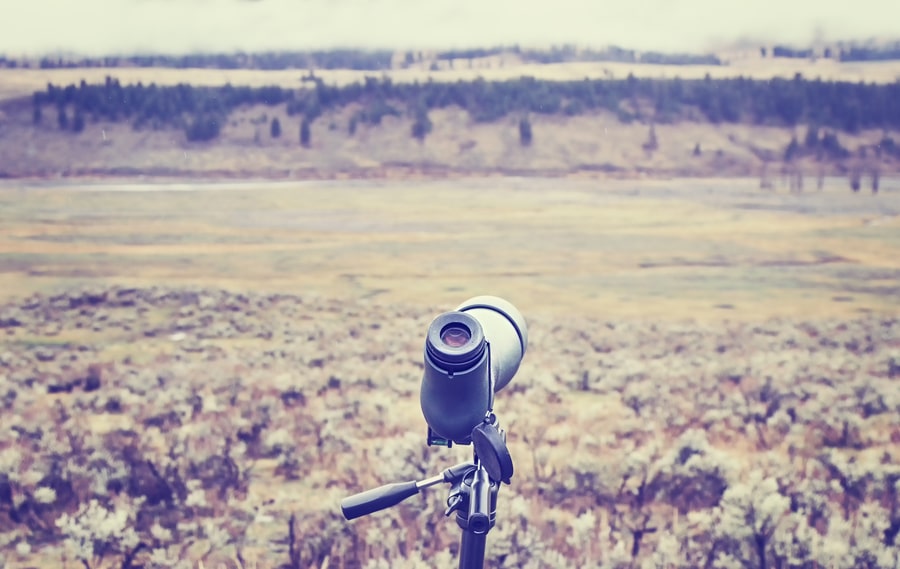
{"x": 471, "y": 550}
{"x": 475, "y": 517}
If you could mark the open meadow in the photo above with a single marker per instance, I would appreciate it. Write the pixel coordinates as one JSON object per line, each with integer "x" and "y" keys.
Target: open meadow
{"x": 666, "y": 249}
{"x": 199, "y": 372}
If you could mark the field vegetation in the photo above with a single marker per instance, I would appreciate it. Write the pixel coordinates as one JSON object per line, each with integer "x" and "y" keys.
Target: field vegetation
{"x": 712, "y": 377}
{"x": 167, "y": 427}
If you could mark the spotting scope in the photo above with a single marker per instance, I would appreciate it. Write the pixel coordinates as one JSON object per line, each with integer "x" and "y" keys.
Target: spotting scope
{"x": 470, "y": 354}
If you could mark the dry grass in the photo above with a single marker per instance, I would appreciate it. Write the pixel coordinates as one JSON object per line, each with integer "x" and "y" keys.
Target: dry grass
{"x": 671, "y": 250}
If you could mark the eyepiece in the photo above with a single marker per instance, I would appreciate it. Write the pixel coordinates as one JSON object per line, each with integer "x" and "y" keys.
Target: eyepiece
{"x": 455, "y": 340}
{"x": 455, "y": 335}
{"x": 456, "y": 390}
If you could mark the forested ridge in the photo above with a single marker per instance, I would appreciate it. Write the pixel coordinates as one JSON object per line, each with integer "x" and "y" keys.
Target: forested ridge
{"x": 358, "y": 59}
{"x": 384, "y": 59}
{"x": 365, "y": 60}
{"x": 201, "y": 111}
{"x": 851, "y": 53}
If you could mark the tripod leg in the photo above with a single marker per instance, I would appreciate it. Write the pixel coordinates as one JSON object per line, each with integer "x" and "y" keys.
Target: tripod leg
{"x": 471, "y": 550}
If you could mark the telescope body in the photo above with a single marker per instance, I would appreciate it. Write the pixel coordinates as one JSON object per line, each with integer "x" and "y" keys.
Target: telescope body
{"x": 470, "y": 354}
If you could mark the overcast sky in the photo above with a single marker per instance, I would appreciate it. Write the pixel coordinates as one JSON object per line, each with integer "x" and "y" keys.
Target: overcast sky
{"x": 96, "y": 27}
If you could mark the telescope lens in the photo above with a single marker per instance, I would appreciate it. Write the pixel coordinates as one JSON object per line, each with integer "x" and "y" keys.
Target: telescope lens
{"x": 455, "y": 336}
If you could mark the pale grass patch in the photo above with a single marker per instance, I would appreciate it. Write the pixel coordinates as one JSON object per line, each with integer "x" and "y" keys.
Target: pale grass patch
{"x": 560, "y": 246}
{"x": 103, "y": 423}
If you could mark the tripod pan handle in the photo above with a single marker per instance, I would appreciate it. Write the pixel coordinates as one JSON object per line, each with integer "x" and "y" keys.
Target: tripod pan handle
{"x": 376, "y": 499}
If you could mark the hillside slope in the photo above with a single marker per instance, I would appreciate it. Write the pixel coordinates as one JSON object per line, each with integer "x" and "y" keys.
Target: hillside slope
{"x": 598, "y": 125}
{"x": 597, "y": 142}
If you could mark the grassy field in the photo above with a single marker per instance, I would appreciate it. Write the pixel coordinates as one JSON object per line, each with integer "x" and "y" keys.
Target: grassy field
{"x": 323, "y": 384}
{"x": 705, "y": 249}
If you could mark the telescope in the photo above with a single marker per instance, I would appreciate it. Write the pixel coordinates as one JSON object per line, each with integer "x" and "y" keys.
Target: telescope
{"x": 471, "y": 353}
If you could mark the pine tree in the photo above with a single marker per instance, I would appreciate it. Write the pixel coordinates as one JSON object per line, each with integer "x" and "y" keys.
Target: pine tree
{"x": 811, "y": 141}
{"x": 62, "y": 118}
{"x": 203, "y": 128}
{"x": 78, "y": 122}
{"x": 422, "y": 125}
{"x": 652, "y": 142}
{"x": 792, "y": 150}
{"x": 305, "y": 134}
{"x": 525, "y": 134}
{"x": 855, "y": 178}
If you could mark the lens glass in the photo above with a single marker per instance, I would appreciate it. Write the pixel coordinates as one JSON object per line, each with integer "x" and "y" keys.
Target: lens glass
{"x": 455, "y": 335}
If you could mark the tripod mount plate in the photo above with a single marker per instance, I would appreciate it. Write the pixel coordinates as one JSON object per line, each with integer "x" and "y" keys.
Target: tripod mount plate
{"x": 490, "y": 447}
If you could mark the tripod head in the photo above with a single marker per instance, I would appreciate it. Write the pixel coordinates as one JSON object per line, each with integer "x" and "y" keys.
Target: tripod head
{"x": 470, "y": 354}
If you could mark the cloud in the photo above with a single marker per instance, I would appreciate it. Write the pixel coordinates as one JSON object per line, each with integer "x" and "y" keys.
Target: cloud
{"x": 178, "y": 26}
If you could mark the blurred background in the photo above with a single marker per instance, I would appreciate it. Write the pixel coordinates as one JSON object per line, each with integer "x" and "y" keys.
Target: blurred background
{"x": 227, "y": 224}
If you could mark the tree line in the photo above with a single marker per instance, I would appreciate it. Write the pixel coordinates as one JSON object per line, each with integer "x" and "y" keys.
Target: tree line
{"x": 571, "y": 53}
{"x": 357, "y": 59}
{"x": 617, "y": 54}
{"x": 846, "y": 54}
{"x": 891, "y": 52}
{"x": 839, "y": 106}
{"x": 379, "y": 60}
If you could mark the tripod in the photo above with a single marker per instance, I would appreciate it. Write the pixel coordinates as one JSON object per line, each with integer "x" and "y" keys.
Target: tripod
{"x": 473, "y": 491}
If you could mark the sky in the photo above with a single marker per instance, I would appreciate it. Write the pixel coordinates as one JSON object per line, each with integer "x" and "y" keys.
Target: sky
{"x": 107, "y": 27}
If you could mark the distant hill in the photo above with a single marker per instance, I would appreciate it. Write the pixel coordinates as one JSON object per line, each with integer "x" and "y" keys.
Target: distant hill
{"x": 622, "y": 127}
{"x": 361, "y": 60}
{"x": 436, "y": 60}
{"x": 485, "y": 110}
